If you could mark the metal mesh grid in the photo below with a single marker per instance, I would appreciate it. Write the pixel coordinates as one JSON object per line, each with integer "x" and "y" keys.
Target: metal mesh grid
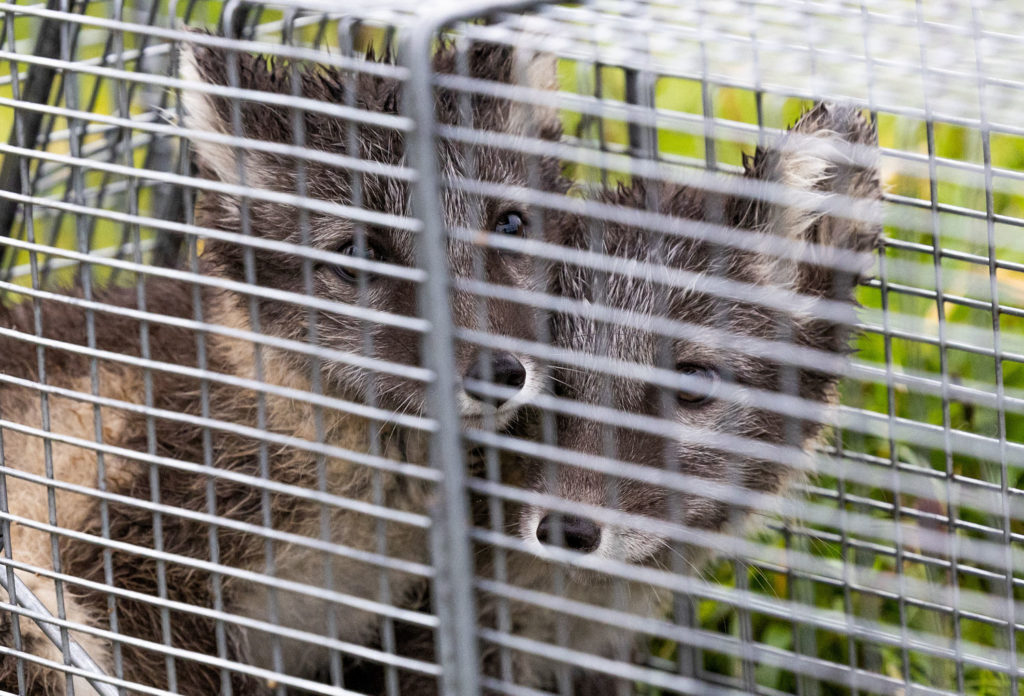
{"x": 252, "y": 447}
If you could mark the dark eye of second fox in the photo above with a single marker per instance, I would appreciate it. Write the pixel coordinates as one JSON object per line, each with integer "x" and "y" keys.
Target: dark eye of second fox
{"x": 700, "y": 390}
{"x": 509, "y": 222}
{"x": 364, "y": 250}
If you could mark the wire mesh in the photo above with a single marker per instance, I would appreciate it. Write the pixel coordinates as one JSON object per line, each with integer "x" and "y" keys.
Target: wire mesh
{"x": 511, "y": 348}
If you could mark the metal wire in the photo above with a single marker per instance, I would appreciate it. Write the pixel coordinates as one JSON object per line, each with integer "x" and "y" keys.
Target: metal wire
{"x": 468, "y": 349}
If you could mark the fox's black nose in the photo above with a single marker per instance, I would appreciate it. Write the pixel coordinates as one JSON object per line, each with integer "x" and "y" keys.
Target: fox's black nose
{"x": 505, "y": 371}
{"x": 578, "y": 533}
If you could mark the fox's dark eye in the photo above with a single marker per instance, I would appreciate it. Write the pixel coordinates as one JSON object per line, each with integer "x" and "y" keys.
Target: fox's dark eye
{"x": 510, "y": 222}
{"x": 699, "y": 390}
{"x": 347, "y": 273}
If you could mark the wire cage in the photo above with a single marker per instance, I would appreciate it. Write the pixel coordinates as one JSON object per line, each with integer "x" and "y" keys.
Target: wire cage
{"x": 610, "y": 347}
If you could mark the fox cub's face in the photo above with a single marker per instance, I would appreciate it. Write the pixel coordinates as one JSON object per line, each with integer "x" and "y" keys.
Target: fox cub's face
{"x": 356, "y": 256}
{"x": 704, "y": 401}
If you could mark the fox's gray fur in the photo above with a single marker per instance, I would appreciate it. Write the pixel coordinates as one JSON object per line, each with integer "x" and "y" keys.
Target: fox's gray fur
{"x": 829, "y": 158}
{"x": 240, "y": 458}
{"x": 827, "y": 162}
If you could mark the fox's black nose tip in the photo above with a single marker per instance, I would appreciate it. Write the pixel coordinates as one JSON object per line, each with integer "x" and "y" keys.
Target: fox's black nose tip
{"x": 505, "y": 371}
{"x": 578, "y": 533}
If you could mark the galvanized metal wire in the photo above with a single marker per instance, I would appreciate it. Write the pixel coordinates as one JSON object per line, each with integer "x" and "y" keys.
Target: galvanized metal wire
{"x": 420, "y": 539}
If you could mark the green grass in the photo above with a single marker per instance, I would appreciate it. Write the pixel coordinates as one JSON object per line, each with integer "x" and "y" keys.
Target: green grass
{"x": 958, "y": 278}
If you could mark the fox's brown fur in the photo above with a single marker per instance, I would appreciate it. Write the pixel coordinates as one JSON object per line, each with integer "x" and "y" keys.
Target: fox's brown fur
{"x": 231, "y": 490}
{"x": 75, "y": 465}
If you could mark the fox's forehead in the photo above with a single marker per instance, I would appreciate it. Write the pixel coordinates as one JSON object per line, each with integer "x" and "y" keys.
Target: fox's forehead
{"x": 638, "y": 272}
{"x": 656, "y": 301}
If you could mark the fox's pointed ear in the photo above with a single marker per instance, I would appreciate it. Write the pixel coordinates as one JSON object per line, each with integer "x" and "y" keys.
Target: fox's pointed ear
{"x": 209, "y": 108}
{"x": 537, "y": 70}
{"x": 507, "y": 65}
{"x": 827, "y": 164}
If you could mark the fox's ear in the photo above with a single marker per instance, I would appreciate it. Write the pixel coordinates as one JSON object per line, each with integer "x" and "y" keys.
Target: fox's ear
{"x": 246, "y": 116}
{"x": 500, "y": 63}
{"x": 827, "y": 165}
{"x": 537, "y": 70}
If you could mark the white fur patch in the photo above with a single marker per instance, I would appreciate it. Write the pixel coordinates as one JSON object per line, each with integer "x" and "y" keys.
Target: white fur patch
{"x": 475, "y": 409}
{"x": 539, "y": 72}
{"x": 806, "y": 162}
{"x": 529, "y": 521}
{"x": 628, "y": 545}
{"x": 201, "y": 115}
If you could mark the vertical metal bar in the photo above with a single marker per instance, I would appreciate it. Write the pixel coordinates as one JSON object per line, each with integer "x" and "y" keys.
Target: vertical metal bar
{"x": 25, "y": 128}
{"x": 940, "y": 306}
{"x": 851, "y": 553}
{"x": 450, "y": 534}
{"x": 347, "y": 30}
{"x": 802, "y": 586}
{"x": 76, "y": 193}
{"x": 692, "y": 657}
{"x": 873, "y": 657}
{"x": 7, "y": 547}
{"x": 203, "y": 364}
{"x": 450, "y": 542}
{"x": 469, "y": 153}
{"x": 742, "y": 569}
{"x": 707, "y": 105}
{"x": 5, "y": 523}
{"x": 234, "y": 18}
{"x": 997, "y": 356}
{"x": 235, "y": 74}
{"x": 44, "y": 406}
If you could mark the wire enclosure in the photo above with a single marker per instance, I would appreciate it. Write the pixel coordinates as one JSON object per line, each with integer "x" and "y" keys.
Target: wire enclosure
{"x": 511, "y": 348}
